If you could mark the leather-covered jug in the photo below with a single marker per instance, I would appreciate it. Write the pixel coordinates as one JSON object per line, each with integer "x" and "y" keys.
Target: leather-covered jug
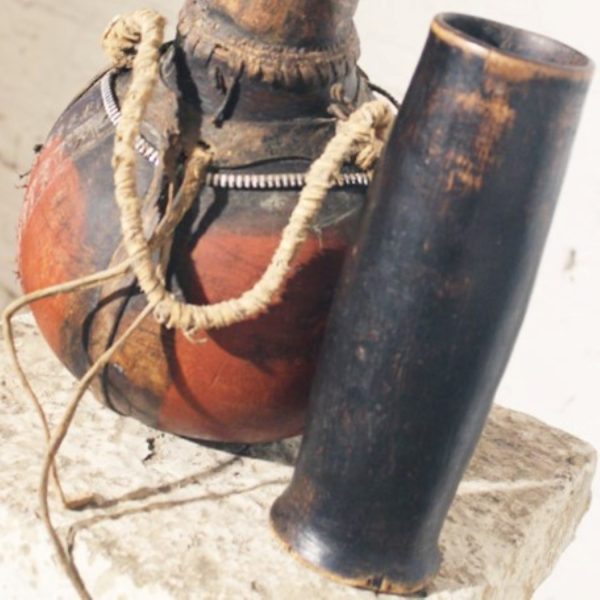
{"x": 263, "y": 84}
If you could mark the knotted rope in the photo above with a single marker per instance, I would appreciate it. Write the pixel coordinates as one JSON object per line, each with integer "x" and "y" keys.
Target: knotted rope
{"x": 360, "y": 138}
{"x": 134, "y": 42}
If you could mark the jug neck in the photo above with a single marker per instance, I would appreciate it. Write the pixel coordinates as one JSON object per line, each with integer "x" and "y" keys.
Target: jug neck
{"x": 304, "y": 46}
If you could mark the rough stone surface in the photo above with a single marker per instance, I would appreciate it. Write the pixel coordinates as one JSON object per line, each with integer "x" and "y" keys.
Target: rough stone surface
{"x": 187, "y": 521}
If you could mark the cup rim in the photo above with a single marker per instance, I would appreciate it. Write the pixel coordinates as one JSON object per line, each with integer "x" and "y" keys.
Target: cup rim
{"x": 445, "y": 27}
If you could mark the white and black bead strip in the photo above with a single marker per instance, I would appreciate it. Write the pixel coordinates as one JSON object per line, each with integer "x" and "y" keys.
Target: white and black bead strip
{"x": 143, "y": 146}
{"x": 230, "y": 181}
{"x": 277, "y": 181}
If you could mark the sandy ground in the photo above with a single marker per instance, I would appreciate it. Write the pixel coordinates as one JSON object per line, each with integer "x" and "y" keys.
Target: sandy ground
{"x": 49, "y": 50}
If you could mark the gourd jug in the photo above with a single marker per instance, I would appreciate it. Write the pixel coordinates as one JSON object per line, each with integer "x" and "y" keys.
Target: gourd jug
{"x": 261, "y": 82}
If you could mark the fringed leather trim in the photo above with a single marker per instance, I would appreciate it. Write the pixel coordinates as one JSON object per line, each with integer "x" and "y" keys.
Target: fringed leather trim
{"x": 282, "y": 65}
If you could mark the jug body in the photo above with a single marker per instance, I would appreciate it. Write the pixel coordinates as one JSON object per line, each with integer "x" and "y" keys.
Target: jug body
{"x": 248, "y": 382}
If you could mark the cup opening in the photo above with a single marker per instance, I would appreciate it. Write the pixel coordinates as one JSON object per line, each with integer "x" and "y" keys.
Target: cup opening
{"x": 515, "y": 42}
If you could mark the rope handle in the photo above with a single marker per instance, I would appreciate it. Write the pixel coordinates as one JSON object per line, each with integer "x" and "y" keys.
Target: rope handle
{"x": 134, "y": 41}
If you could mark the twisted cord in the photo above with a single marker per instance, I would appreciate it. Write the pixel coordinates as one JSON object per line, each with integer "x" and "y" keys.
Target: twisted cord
{"x": 360, "y": 137}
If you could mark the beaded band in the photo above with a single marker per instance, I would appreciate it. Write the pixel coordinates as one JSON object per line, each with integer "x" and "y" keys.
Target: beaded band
{"x": 224, "y": 180}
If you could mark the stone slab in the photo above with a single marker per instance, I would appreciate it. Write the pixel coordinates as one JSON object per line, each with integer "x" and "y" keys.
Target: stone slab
{"x": 187, "y": 521}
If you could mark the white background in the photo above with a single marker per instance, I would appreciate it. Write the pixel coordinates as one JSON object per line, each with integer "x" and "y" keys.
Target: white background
{"x": 49, "y": 49}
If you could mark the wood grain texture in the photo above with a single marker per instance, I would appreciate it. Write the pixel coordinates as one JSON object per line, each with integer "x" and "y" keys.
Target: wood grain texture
{"x": 431, "y": 301}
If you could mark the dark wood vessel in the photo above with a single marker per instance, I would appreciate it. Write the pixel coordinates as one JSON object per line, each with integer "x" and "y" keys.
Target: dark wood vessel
{"x": 431, "y": 300}
{"x": 253, "y": 80}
